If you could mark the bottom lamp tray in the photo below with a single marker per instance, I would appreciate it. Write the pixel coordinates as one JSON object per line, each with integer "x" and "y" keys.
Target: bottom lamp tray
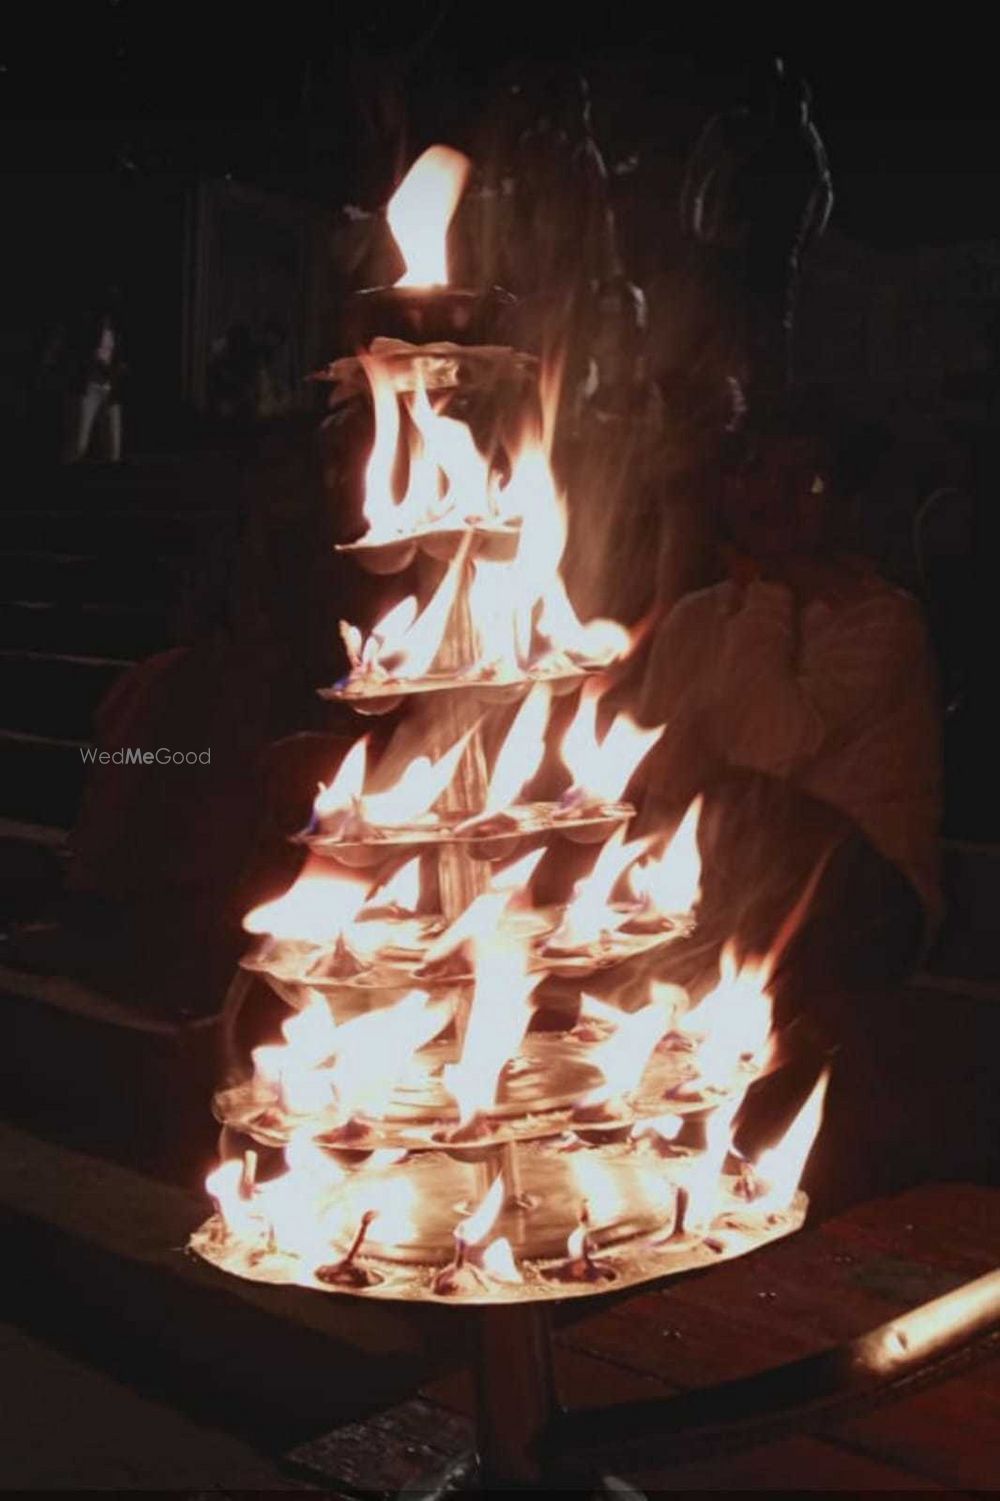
{"x": 636, "y": 1241}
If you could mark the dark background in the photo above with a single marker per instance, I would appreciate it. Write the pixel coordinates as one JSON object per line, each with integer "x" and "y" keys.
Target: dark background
{"x": 274, "y": 93}
{"x": 113, "y": 106}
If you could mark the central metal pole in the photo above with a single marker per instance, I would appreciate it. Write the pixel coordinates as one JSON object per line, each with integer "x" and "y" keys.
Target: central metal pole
{"x": 515, "y": 1394}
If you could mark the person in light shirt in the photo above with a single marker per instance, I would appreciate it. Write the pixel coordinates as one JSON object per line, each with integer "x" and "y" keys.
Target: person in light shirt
{"x": 800, "y": 698}
{"x": 94, "y": 407}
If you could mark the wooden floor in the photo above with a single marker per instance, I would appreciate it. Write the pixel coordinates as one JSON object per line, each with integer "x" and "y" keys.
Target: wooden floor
{"x": 96, "y": 1273}
{"x": 822, "y": 1287}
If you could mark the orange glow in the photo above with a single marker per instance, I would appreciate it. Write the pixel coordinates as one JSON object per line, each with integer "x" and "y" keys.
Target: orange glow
{"x": 420, "y": 211}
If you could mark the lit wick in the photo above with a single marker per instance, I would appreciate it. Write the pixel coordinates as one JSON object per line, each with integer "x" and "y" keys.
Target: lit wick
{"x": 341, "y": 962}
{"x": 346, "y": 1273}
{"x": 582, "y": 1265}
{"x": 248, "y": 1175}
{"x": 461, "y": 1275}
{"x": 748, "y": 1186}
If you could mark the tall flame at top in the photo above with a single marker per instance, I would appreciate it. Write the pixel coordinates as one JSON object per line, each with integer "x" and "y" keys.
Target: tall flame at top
{"x": 421, "y": 210}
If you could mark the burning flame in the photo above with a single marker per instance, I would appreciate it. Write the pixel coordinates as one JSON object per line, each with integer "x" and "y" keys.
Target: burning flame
{"x": 601, "y": 769}
{"x": 703, "y": 1179}
{"x": 671, "y": 883}
{"x": 497, "y": 1023}
{"x": 522, "y": 617}
{"x": 521, "y": 754}
{"x": 239, "y": 1215}
{"x": 350, "y": 1067}
{"x": 590, "y": 914}
{"x": 447, "y": 451}
{"x": 375, "y": 1050}
{"x": 347, "y": 784}
{"x": 498, "y": 1260}
{"x": 401, "y": 890}
{"x": 733, "y": 1022}
{"x": 449, "y": 482}
{"x": 625, "y": 1053}
{"x": 497, "y": 1256}
{"x": 483, "y": 916}
{"x": 418, "y": 789}
{"x": 533, "y": 582}
{"x": 403, "y": 644}
{"x": 779, "y": 1170}
{"x": 474, "y": 1230}
{"x": 385, "y": 518}
{"x": 317, "y": 908}
{"x": 407, "y": 800}
{"x": 296, "y": 1213}
{"x": 420, "y": 211}
{"x": 293, "y": 1068}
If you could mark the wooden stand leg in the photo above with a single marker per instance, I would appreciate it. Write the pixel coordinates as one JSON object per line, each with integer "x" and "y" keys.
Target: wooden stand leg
{"x": 515, "y": 1394}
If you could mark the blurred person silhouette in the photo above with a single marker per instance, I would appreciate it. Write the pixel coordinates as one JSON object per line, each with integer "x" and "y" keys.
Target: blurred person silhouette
{"x": 757, "y": 192}
{"x": 96, "y": 372}
{"x": 557, "y": 241}
{"x": 236, "y": 380}
{"x": 163, "y": 848}
{"x": 275, "y": 389}
{"x": 801, "y": 699}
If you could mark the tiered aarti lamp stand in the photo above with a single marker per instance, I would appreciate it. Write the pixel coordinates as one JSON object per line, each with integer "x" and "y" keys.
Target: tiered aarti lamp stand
{"x": 591, "y": 1201}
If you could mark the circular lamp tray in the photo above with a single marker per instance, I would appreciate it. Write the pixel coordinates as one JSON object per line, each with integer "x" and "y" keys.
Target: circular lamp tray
{"x": 539, "y": 1094}
{"x": 494, "y": 541}
{"x": 486, "y": 837}
{"x": 635, "y": 1237}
